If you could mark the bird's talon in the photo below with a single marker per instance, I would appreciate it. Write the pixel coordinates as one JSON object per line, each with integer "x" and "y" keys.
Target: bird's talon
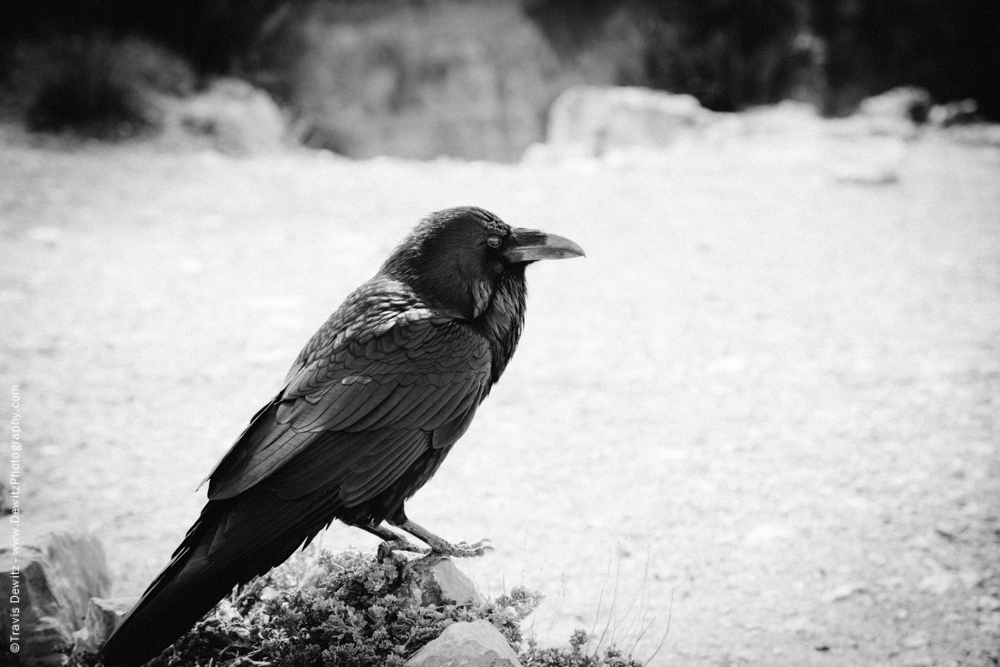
{"x": 386, "y": 548}
{"x": 464, "y": 549}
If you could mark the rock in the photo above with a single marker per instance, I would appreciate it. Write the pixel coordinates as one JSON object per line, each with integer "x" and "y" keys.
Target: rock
{"x": 437, "y": 582}
{"x": 906, "y": 102}
{"x": 896, "y": 112}
{"x": 231, "y": 116}
{"x": 844, "y": 592}
{"x": 50, "y": 582}
{"x": 475, "y": 644}
{"x": 589, "y": 121}
{"x": 988, "y": 603}
{"x": 103, "y": 616}
{"x": 954, "y": 113}
{"x": 938, "y": 582}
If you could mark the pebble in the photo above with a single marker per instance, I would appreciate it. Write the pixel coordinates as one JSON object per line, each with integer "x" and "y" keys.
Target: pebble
{"x": 844, "y": 591}
{"x": 988, "y": 603}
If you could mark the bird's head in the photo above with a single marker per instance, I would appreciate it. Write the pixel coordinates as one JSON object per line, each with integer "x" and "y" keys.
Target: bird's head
{"x": 457, "y": 258}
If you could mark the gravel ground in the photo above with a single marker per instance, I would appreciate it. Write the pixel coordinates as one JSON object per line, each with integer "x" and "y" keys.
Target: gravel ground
{"x": 762, "y": 417}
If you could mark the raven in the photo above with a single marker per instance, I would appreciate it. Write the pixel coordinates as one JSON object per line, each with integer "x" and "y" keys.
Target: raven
{"x": 367, "y": 413}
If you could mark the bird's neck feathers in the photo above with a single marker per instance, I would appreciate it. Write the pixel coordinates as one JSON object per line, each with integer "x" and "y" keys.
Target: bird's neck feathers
{"x": 495, "y": 308}
{"x": 445, "y": 271}
{"x": 432, "y": 268}
{"x": 502, "y": 321}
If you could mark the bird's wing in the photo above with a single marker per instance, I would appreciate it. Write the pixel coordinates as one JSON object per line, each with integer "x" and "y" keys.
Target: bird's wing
{"x": 363, "y": 412}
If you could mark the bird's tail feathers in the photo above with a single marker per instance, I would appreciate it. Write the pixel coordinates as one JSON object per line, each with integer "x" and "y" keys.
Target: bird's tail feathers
{"x": 212, "y": 559}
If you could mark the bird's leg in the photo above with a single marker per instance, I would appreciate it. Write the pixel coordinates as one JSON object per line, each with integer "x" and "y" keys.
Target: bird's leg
{"x": 391, "y": 541}
{"x": 440, "y": 546}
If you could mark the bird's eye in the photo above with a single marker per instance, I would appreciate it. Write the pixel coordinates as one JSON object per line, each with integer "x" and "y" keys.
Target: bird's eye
{"x": 494, "y": 241}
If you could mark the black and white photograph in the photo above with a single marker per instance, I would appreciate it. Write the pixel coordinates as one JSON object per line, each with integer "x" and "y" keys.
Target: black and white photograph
{"x": 511, "y": 333}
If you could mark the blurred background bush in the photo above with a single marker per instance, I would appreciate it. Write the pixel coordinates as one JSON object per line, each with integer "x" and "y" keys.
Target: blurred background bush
{"x": 471, "y": 78}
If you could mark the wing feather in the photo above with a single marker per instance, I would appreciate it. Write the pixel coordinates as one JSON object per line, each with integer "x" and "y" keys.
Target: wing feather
{"x": 372, "y": 400}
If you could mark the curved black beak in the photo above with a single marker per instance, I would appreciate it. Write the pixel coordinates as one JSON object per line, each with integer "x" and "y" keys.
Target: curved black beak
{"x": 531, "y": 245}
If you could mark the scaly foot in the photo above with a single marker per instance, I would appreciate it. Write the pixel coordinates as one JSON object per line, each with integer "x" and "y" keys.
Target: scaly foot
{"x": 441, "y": 547}
{"x": 386, "y": 548}
{"x": 462, "y": 549}
{"x": 392, "y": 542}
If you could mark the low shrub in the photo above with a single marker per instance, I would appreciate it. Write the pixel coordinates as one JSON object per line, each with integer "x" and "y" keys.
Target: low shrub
{"x": 95, "y": 86}
{"x": 575, "y": 655}
{"x": 348, "y": 610}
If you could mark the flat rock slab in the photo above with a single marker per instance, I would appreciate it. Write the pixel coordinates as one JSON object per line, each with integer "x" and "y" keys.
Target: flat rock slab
{"x": 591, "y": 120}
{"x": 48, "y": 583}
{"x": 103, "y": 616}
{"x": 475, "y": 644}
{"x": 435, "y": 583}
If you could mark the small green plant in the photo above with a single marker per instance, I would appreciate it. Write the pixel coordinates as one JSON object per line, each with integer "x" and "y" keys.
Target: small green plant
{"x": 346, "y": 610}
{"x": 321, "y": 609}
{"x": 575, "y": 655}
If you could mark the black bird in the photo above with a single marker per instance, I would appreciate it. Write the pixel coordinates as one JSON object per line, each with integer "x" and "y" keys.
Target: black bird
{"x": 367, "y": 413}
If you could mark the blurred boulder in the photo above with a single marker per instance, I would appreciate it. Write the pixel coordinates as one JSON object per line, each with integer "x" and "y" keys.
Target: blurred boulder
{"x": 48, "y": 583}
{"x": 231, "y": 116}
{"x": 103, "y": 616}
{"x": 475, "y": 644}
{"x": 469, "y": 80}
{"x": 589, "y": 121}
{"x": 962, "y": 112}
{"x": 897, "y": 112}
{"x": 437, "y": 582}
